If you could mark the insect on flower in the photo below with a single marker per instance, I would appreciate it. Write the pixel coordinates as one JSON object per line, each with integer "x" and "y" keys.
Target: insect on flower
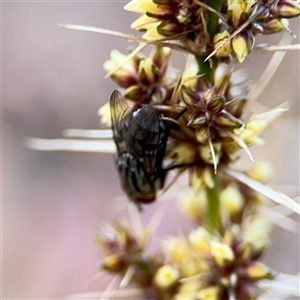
{"x": 141, "y": 138}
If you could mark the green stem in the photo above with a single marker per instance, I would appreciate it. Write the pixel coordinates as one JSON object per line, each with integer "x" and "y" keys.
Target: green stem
{"x": 213, "y": 205}
{"x": 206, "y": 69}
{"x": 213, "y": 21}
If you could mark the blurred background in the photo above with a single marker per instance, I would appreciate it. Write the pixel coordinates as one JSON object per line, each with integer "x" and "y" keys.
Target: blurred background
{"x": 54, "y": 202}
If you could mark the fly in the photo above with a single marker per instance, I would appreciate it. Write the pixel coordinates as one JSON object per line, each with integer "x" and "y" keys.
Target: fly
{"x": 141, "y": 138}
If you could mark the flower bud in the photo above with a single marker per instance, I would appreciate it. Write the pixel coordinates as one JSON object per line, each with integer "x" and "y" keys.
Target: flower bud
{"x": 216, "y": 105}
{"x": 134, "y": 92}
{"x": 161, "y": 56}
{"x": 167, "y": 28}
{"x": 259, "y": 271}
{"x": 226, "y": 120}
{"x": 146, "y": 71}
{"x": 273, "y": 25}
{"x": 189, "y": 97}
{"x": 113, "y": 263}
{"x": 285, "y": 8}
{"x": 197, "y": 119}
{"x": 261, "y": 11}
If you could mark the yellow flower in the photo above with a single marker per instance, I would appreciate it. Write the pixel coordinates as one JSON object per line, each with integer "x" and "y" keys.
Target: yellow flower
{"x": 178, "y": 252}
{"x": 104, "y": 114}
{"x": 175, "y": 249}
{"x": 256, "y": 232}
{"x": 238, "y": 8}
{"x": 218, "y": 40}
{"x": 188, "y": 289}
{"x": 192, "y": 203}
{"x": 146, "y": 66}
{"x": 259, "y": 271}
{"x": 240, "y": 47}
{"x": 166, "y": 277}
{"x": 200, "y": 241}
{"x": 222, "y": 253}
{"x": 261, "y": 171}
{"x": 117, "y": 58}
{"x": 181, "y": 153}
{"x": 206, "y": 155}
{"x": 145, "y": 23}
{"x": 142, "y": 7}
{"x": 232, "y": 199}
{"x": 151, "y": 33}
{"x": 210, "y": 293}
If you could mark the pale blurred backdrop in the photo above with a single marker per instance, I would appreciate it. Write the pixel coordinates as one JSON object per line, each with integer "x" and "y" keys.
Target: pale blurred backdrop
{"x": 53, "y": 203}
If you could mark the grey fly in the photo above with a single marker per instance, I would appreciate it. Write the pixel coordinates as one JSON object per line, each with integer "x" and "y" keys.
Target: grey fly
{"x": 140, "y": 137}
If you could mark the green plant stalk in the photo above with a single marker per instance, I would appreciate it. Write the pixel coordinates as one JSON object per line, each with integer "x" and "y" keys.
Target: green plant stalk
{"x": 213, "y": 21}
{"x": 213, "y": 205}
{"x": 206, "y": 68}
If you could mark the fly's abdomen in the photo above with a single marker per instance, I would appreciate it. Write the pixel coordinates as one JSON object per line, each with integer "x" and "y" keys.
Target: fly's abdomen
{"x": 136, "y": 182}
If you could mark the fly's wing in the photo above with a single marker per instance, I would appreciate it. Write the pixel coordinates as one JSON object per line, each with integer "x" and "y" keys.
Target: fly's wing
{"x": 146, "y": 136}
{"x": 119, "y": 111}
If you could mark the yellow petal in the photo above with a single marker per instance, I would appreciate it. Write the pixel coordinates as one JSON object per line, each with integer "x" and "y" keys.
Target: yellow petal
{"x": 221, "y": 253}
{"x": 142, "y": 7}
{"x": 142, "y": 22}
{"x": 239, "y": 46}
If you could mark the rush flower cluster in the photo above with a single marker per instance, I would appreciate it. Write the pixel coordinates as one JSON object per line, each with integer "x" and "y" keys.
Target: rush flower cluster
{"x": 200, "y": 27}
{"x": 201, "y": 264}
{"x": 212, "y": 130}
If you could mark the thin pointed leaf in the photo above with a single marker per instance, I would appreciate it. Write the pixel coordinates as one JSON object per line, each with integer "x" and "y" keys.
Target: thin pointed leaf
{"x": 213, "y": 154}
{"x": 103, "y": 31}
{"x": 242, "y": 144}
{"x": 88, "y": 134}
{"x": 73, "y": 145}
{"x": 265, "y": 190}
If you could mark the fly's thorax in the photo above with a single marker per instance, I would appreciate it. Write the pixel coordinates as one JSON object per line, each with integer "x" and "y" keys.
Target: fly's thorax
{"x": 148, "y": 131}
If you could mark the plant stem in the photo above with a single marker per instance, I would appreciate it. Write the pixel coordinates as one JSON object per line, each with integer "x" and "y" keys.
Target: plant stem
{"x": 205, "y": 69}
{"x": 213, "y": 205}
{"x": 213, "y": 21}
